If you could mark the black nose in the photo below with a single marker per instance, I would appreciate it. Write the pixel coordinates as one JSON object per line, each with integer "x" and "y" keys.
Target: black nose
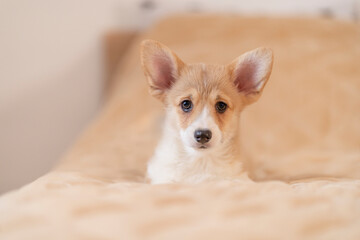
{"x": 202, "y": 135}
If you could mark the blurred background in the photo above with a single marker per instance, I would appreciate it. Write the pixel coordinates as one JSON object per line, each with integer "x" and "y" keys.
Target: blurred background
{"x": 54, "y": 66}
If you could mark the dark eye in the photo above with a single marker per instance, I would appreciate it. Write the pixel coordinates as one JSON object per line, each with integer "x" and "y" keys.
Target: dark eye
{"x": 220, "y": 107}
{"x": 186, "y": 105}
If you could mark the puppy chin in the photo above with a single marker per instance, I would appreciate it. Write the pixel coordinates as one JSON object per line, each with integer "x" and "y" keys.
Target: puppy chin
{"x": 202, "y": 147}
{"x": 199, "y": 147}
{"x": 196, "y": 148}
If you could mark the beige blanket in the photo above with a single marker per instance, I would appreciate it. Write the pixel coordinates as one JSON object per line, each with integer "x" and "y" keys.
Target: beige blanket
{"x": 306, "y": 125}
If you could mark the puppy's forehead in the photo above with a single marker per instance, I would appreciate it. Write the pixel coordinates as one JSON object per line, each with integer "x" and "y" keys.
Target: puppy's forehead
{"x": 203, "y": 78}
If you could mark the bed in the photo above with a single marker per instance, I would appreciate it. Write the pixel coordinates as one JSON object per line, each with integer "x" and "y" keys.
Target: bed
{"x": 301, "y": 145}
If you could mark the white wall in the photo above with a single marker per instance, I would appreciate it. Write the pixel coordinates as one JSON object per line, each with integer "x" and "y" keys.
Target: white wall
{"x": 52, "y": 73}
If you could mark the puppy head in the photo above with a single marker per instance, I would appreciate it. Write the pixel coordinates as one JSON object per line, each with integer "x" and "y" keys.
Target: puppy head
{"x": 204, "y": 102}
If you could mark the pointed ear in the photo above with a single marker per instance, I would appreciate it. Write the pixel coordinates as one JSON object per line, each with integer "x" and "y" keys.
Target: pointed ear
{"x": 251, "y": 71}
{"x": 161, "y": 67}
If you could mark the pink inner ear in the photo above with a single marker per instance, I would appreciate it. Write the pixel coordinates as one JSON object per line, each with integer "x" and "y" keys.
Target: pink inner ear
{"x": 163, "y": 72}
{"x": 245, "y": 77}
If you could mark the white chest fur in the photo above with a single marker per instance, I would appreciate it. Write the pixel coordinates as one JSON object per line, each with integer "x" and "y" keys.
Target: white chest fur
{"x": 174, "y": 163}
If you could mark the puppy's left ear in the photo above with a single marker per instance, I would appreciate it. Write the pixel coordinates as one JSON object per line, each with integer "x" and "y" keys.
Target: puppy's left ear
{"x": 161, "y": 67}
{"x": 250, "y": 72}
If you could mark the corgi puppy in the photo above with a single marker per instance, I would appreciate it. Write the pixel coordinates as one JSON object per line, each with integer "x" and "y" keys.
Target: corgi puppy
{"x": 200, "y": 140}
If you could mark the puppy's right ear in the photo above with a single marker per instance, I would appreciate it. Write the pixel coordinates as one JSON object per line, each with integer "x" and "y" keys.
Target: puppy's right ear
{"x": 251, "y": 71}
{"x": 161, "y": 67}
